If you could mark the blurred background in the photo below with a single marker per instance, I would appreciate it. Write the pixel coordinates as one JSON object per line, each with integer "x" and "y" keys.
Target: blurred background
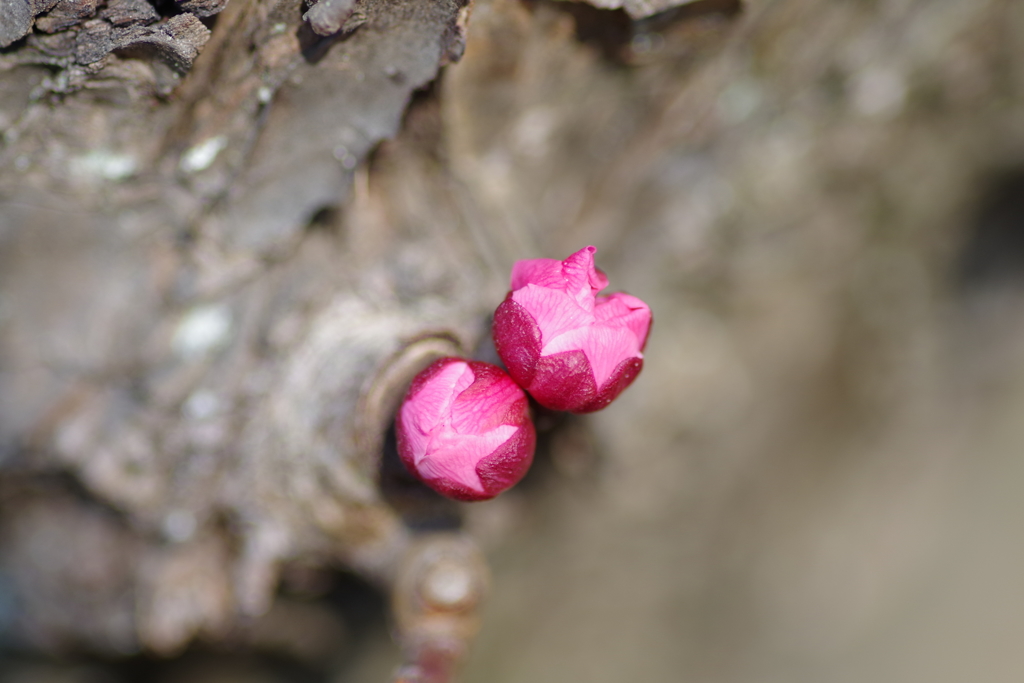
{"x": 817, "y": 477}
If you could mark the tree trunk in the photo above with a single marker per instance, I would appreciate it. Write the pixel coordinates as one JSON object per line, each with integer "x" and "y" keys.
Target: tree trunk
{"x": 231, "y": 233}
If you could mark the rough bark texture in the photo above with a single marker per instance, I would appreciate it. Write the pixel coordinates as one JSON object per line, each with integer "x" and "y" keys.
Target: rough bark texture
{"x": 222, "y": 242}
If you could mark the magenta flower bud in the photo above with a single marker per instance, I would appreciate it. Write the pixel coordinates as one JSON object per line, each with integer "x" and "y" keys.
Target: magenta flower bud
{"x": 571, "y": 349}
{"x": 464, "y": 429}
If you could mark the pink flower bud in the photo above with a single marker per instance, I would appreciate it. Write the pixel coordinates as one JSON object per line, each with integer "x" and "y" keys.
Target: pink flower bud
{"x": 464, "y": 429}
{"x": 571, "y": 349}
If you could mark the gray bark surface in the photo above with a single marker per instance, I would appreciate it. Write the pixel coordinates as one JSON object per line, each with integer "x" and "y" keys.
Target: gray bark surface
{"x": 226, "y": 240}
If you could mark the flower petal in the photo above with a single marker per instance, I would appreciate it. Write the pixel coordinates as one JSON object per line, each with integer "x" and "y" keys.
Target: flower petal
{"x": 554, "y": 311}
{"x": 582, "y": 279}
{"x": 432, "y": 404}
{"x": 454, "y": 456}
{"x": 624, "y": 310}
{"x": 491, "y": 401}
{"x": 545, "y": 272}
{"x": 605, "y": 347}
{"x": 429, "y": 402}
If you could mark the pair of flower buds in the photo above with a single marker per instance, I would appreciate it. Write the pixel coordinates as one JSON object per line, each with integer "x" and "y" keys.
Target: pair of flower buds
{"x": 464, "y": 427}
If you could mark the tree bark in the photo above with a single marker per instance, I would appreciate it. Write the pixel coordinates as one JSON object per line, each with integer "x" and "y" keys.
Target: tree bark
{"x": 231, "y": 232}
